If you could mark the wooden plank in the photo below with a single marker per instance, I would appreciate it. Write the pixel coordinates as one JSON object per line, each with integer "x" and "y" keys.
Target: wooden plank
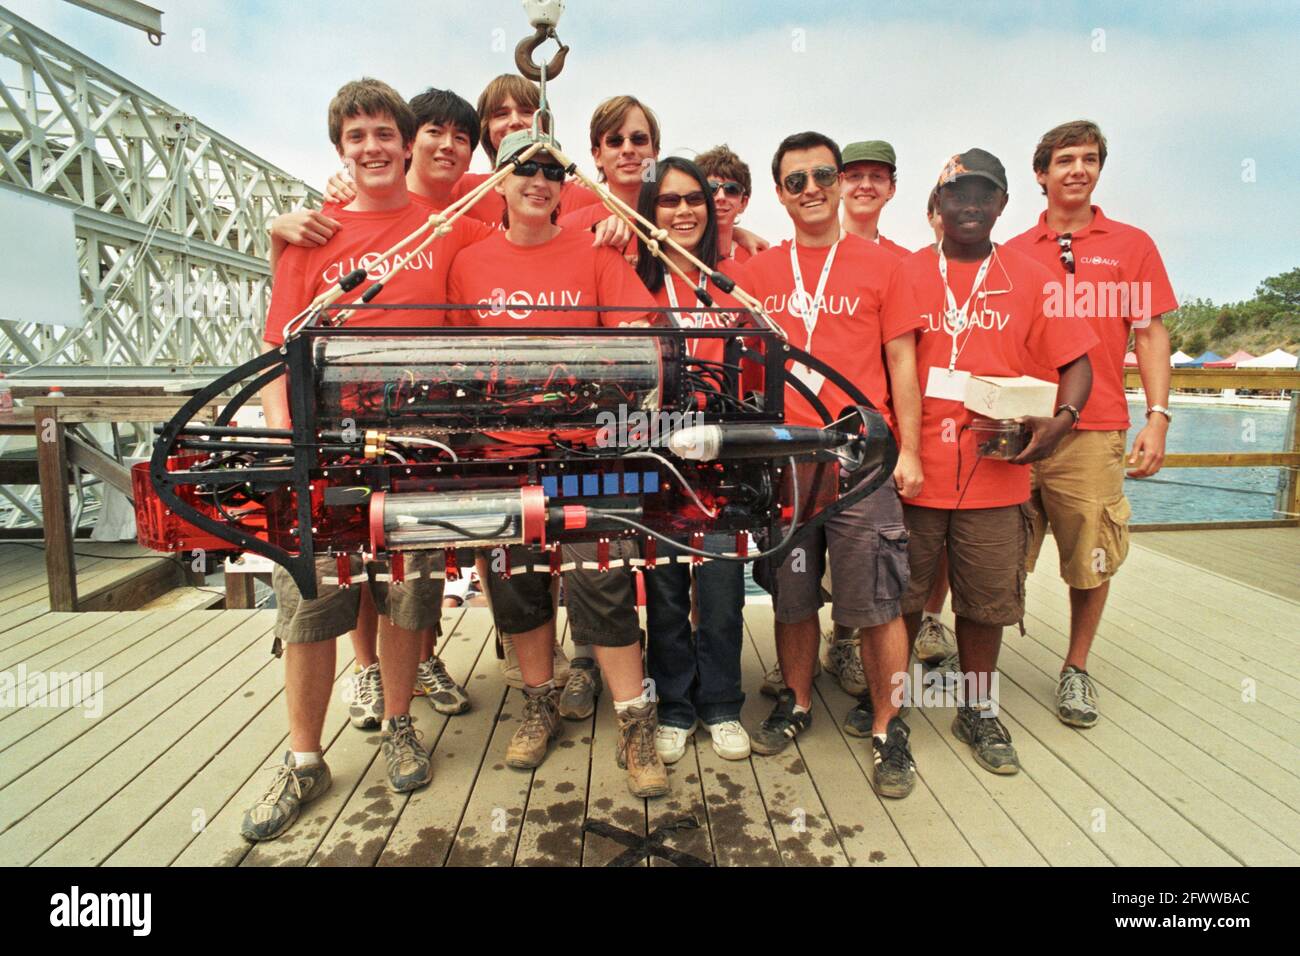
{"x": 737, "y": 819}
{"x": 30, "y": 626}
{"x": 608, "y": 799}
{"x": 1233, "y": 459}
{"x": 121, "y": 731}
{"x": 685, "y": 801}
{"x": 427, "y": 827}
{"x": 1164, "y": 791}
{"x": 1269, "y": 379}
{"x": 60, "y": 565}
{"x": 132, "y": 587}
{"x": 240, "y": 590}
{"x": 107, "y": 469}
{"x": 39, "y": 808}
{"x": 32, "y": 587}
{"x": 49, "y": 647}
{"x": 1281, "y": 554}
{"x": 358, "y": 827}
{"x": 804, "y": 831}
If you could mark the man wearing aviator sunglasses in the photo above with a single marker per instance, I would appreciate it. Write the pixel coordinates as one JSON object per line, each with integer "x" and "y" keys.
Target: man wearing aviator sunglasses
{"x": 844, "y": 299}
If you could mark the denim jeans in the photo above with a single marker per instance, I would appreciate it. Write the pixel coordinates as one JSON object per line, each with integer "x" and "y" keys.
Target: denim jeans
{"x": 696, "y": 676}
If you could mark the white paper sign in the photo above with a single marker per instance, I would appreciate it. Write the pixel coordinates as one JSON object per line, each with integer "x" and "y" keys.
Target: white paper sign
{"x": 810, "y": 377}
{"x": 945, "y": 384}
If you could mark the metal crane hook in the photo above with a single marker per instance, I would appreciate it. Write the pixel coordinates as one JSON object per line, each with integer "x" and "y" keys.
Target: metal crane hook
{"x": 524, "y": 55}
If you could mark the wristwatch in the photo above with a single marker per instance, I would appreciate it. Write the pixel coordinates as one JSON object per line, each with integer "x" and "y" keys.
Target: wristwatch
{"x": 1162, "y": 410}
{"x": 1074, "y": 413}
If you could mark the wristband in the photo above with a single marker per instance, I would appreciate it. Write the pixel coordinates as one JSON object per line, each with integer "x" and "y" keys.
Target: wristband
{"x": 1074, "y": 413}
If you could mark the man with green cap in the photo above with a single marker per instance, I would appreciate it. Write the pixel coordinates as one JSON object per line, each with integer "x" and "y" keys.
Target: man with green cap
{"x": 870, "y": 177}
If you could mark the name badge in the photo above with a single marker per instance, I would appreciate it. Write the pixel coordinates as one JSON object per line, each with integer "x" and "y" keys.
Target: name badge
{"x": 810, "y": 377}
{"x": 945, "y": 384}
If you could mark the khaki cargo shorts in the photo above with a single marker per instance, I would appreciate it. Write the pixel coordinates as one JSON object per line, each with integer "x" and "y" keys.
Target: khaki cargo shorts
{"x": 986, "y": 560}
{"x": 413, "y": 604}
{"x": 1079, "y": 492}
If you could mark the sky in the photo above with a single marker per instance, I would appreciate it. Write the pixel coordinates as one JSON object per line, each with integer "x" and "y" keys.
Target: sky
{"x": 1197, "y": 100}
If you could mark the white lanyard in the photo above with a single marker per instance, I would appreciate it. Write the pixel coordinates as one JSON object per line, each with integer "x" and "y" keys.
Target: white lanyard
{"x": 956, "y": 320}
{"x": 691, "y": 344}
{"x": 813, "y": 310}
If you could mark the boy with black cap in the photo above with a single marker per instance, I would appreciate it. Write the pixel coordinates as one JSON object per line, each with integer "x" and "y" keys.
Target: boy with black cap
{"x": 971, "y": 507}
{"x": 1080, "y": 491}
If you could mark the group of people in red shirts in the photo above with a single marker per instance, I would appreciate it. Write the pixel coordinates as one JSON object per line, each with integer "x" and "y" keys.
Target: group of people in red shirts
{"x": 908, "y": 329}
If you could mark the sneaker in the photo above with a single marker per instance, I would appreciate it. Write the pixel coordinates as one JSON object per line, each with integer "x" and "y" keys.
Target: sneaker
{"x": 433, "y": 681}
{"x": 781, "y": 726}
{"x": 895, "y": 773}
{"x": 950, "y": 667}
{"x": 843, "y": 660}
{"x": 774, "y": 680}
{"x": 1076, "y": 698}
{"x": 278, "y": 807}
{"x": 409, "y": 767}
{"x": 637, "y": 753}
{"x": 859, "y": 721}
{"x": 541, "y": 725}
{"x": 934, "y": 641}
{"x": 367, "y": 708}
{"x": 730, "y": 739}
{"x": 670, "y": 742}
{"x": 578, "y": 699}
{"x": 990, "y": 741}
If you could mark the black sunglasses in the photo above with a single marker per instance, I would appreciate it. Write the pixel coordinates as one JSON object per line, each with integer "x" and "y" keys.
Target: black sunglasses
{"x": 615, "y": 140}
{"x": 530, "y": 169}
{"x": 1067, "y": 251}
{"x": 730, "y": 188}
{"x": 673, "y": 200}
{"x": 797, "y": 181}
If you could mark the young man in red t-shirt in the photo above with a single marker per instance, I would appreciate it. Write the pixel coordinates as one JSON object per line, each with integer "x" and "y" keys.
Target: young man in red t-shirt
{"x": 1111, "y": 275}
{"x": 536, "y": 262}
{"x": 372, "y": 128}
{"x": 730, "y": 180}
{"x": 844, "y": 300}
{"x": 870, "y": 179}
{"x": 971, "y": 506}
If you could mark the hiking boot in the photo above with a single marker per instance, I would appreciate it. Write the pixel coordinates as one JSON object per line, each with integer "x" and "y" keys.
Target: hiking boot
{"x": 843, "y": 660}
{"x": 367, "y": 708}
{"x": 671, "y": 742}
{"x": 990, "y": 741}
{"x": 730, "y": 739}
{"x": 858, "y": 721}
{"x": 433, "y": 681}
{"x": 578, "y": 699}
{"x": 540, "y": 725}
{"x": 774, "y": 680}
{"x": 646, "y": 774}
{"x": 409, "y": 767}
{"x": 278, "y": 807}
{"x": 781, "y": 726}
{"x": 934, "y": 641}
{"x": 1076, "y": 698}
{"x": 895, "y": 773}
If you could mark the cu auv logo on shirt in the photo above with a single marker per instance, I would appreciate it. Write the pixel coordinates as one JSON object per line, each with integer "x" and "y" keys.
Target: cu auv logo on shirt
{"x": 987, "y": 319}
{"x": 375, "y": 270}
{"x": 800, "y": 304}
{"x": 501, "y": 302}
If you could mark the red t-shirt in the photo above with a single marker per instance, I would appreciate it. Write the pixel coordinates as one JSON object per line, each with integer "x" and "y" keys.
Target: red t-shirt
{"x": 568, "y": 270}
{"x": 1007, "y": 337}
{"x": 489, "y": 209}
{"x": 1118, "y": 278}
{"x": 890, "y": 246}
{"x": 866, "y": 303}
{"x": 304, "y": 273}
{"x": 710, "y": 350}
{"x": 738, "y": 253}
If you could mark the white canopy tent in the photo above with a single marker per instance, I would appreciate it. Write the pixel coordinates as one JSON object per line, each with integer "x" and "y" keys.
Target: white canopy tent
{"x": 1180, "y": 358}
{"x": 1274, "y": 359}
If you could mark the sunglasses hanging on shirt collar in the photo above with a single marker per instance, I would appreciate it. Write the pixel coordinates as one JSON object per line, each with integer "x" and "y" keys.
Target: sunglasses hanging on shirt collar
{"x": 1067, "y": 251}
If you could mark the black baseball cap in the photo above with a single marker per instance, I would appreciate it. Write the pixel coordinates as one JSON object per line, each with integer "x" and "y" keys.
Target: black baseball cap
{"x": 974, "y": 162}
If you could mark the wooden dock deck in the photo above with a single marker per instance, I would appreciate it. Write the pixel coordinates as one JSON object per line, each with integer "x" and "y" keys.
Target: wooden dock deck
{"x": 1195, "y": 760}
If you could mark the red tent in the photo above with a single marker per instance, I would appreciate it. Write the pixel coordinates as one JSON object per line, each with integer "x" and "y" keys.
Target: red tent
{"x": 1231, "y": 361}
{"x": 1130, "y": 360}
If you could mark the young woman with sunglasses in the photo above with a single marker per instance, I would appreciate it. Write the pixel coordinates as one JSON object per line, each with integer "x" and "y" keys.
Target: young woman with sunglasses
{"x": 535, "y": 262}
{"x": 696, "y": 675}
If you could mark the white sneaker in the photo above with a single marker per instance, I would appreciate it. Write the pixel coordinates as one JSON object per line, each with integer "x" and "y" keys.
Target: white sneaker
{"x": 366, "y": 699}
{"x": 670, "y": 742}
{"x": 730, "y": 740}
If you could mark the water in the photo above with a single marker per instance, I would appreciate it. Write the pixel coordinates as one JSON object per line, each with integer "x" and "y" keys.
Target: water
{"x": 1210, "y": 494}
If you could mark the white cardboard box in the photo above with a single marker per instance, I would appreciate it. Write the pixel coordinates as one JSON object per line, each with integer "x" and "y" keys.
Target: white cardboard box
{"x": 996, "y": 397}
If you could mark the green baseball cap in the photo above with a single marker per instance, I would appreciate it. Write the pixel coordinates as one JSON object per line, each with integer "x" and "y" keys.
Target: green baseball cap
{"x": 516, "y": 143}
{"x": 871, "y": 151}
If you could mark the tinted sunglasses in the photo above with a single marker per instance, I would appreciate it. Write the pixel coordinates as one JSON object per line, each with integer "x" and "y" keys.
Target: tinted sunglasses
{"x": 797, "y": 181}
{"x": 673, "y": 200}
{"x": 1067, "y": 251}
{"x": 615, "y": 140}
{"x": 530, "y": 169}
{"x": 730, "y": 188}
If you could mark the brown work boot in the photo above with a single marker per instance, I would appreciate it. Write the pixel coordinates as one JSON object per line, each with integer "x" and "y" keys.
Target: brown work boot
{"x": 541, "y": 724}
{"x": 646, "y": 774}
